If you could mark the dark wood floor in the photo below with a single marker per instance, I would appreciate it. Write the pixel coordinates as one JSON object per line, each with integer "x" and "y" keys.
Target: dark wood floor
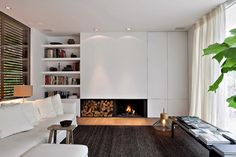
{"x": 136, "y": 141}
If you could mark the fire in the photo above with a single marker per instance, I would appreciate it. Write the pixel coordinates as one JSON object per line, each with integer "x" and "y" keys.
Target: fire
{"x": 129, "y": 109}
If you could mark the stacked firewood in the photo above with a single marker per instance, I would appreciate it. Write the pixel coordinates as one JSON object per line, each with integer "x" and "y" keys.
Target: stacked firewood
{"x": 97, "y": 108}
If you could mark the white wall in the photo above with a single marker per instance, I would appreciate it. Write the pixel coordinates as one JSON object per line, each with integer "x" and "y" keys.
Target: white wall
{"x": 114, "y": 65}
{"x": 152, "y": 66}
{"x": 37, "y": 65}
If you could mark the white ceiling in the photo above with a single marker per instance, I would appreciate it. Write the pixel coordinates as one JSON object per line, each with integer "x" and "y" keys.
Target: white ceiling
{"x": 74, "y": 16}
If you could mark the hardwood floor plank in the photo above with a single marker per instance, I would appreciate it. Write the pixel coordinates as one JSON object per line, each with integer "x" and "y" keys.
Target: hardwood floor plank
{"x": 137, "y": 141}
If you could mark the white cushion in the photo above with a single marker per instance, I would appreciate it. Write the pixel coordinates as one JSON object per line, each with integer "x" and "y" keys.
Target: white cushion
{"x": 9, "y": 104}
{"x": 45, "y": 107}
{"x": 36, "y": 110}
{"x": 69, "y": 107}
{"x": 13, "y": 120}
{"x": 18, "y": 144}
{"x": 57, "y": 104}
{"x": 59, "y": 150}
{"x": 30, "y": 112}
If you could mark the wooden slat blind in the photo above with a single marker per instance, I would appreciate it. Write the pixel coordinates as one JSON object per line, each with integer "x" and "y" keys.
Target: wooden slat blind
{"x": 14, "y": 44}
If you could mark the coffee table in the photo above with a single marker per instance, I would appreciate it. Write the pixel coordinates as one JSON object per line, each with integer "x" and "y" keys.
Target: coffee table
{"x": 186, "y": 128}
{"x": 53, "y": 133}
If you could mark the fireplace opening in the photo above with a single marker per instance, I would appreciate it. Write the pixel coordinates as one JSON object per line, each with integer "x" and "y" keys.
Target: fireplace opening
{"x": 130, "y": 108}
{"x": 113, "y": 108}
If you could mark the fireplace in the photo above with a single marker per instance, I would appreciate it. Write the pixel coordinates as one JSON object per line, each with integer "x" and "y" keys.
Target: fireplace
{"x": 113, "y": 108}
{"x": 130, "y": 108}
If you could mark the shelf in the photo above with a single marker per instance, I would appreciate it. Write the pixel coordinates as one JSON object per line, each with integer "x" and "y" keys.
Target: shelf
{"x": 61, "y": 72}
{"x": 60, "y": 59}
{"x": 61, "y": 86}
{"x": 61, "y": 46}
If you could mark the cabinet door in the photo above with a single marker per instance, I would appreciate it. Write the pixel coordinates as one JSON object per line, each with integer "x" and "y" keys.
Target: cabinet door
{"x": 157, "y": 65}
{"x": 178, "y": 107}
{"x": 177, "y": 65}
{"x": 155, "y": 107}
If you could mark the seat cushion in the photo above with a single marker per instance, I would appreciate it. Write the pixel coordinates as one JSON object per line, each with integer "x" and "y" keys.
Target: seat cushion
{"x": 58, "y": 150}
{"x": 45, "y": 123}
{"x": 16, "y": 145}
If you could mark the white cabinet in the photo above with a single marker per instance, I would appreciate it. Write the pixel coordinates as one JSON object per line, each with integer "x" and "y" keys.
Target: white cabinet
{"x": 157, "y": 65}
{"x": 155, "y": 107}
{"x": 177, "y": 65}
{"x": 178, "y": 107}
{"x": 167, "y": 73}
{"x": 114, "y": 65}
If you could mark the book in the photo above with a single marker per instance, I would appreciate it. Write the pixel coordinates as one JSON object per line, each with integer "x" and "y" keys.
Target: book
{"x": 203, "y": 125}
{"x": 231, "y": 137}
{"x": 196, "y": 132}
{"x": 226, "y": 150}
{"x": 213, "y": 138}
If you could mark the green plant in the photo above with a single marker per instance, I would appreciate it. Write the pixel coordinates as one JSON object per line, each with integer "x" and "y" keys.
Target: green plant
{"x": 225, "y": 54}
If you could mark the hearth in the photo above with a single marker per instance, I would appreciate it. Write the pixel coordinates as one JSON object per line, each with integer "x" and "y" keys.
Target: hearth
{"x": 113, "y": 108}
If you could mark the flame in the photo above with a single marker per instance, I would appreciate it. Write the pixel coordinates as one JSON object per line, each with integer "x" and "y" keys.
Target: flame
{"x": 129, "y": 109}
{"x": 163, "y": 122}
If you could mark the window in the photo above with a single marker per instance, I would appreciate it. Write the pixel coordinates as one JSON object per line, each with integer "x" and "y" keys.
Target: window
{"x": 230, "y": 83}
{"x": 14, "y": 55}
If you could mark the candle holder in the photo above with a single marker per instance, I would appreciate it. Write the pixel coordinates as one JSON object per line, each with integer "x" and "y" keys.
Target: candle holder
{"x": 164, "y": 123}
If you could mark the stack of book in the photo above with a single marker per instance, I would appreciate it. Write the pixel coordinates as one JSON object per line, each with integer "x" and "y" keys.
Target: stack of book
{"x": 75, "y": 66}
{"x": 213, "y": 138}
{"x": 55, "y": 53}
{"x": 205, "y": 132}
{"x": 60, "y": 80}
{"x": 226, "y": 150}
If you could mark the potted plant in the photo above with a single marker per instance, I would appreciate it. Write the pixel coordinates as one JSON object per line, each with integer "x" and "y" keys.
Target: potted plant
{"x": 225, "y": 54}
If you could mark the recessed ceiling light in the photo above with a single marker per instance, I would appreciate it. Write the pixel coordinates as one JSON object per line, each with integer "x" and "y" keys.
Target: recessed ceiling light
{"x": 96, "y": 29}
{"x": 180, "y": 29}
{"x": 128, "y": 29}
{"x": 39, "y": 23}
{"x": 47, "y": 30}
{"x": 8, "y": 7}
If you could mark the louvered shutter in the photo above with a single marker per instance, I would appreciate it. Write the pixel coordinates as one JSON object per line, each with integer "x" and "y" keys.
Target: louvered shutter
{"x": 14, "y": 41}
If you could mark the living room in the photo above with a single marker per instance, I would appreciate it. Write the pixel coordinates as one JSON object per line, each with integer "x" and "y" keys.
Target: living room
{"x": 117, "y": 78}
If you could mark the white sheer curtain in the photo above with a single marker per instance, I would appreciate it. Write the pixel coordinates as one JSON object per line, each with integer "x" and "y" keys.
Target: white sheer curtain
{"x": 207, "y": 105}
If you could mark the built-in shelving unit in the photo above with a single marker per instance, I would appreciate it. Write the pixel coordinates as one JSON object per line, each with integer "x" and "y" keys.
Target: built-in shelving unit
{"x": 60, "y": 72}
{"x": 60, "y": 59}
{"x": 62, "y": 69}
{"x": 61, "y": 46}
{"x": 61, "y": 86}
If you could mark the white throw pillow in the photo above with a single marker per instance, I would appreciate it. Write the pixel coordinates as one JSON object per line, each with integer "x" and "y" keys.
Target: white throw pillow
{"x": 45, "y": 107}
{"x": 30, "y": 112}
{"x": 13, "y": 120}
{"x": 57, "y": 104}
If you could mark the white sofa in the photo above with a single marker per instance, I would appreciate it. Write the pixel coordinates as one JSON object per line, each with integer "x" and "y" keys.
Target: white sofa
{"x": 17, "y": 144}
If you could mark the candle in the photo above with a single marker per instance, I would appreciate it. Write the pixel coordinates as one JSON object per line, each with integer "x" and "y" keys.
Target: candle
{"x": 163, "y": 122}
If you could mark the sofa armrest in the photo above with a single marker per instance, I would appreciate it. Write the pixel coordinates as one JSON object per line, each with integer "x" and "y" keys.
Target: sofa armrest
{"x": 69, "y": 107}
